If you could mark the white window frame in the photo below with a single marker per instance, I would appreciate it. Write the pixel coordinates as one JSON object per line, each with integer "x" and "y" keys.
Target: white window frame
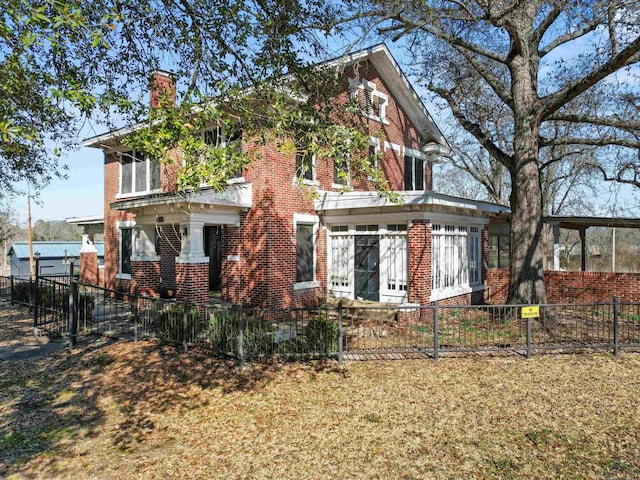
{"x": 305, "y": 181}
{"x": 453, "y": 247}
{"x": 308, "y": 219}
{"x": 375, "y": 142}
{"x": 122, "y": 225}
{"x": 342, "y": 186}
{"x": 417, "y": 156}
{"x": 383, "y": 99}
{"x": 345, "y": 285}
{"x": 394, "y": 260}
{"x": 134, "y": 193}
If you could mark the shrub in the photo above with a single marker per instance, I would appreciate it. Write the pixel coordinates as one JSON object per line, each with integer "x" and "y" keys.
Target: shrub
{"x": 21, "y": 292}
{"x": 171, "y": 328}
{"x": 322, "y": 336}
{"x": 257, "y": 337}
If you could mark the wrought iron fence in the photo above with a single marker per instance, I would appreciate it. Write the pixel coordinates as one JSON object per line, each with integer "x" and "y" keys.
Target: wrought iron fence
{"x": 337, "y": 332}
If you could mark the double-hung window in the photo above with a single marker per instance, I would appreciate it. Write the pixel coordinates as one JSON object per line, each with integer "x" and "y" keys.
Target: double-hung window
{"x": 217, "y": 137}
{"x": 413, "y": 171}
{"x": 138, "y": 173}
{"x": 340, "y": 245}
{"x": 341, "y": 170}
{"x": 305, "y": 164}
{"x": 395, "y": 258}
{"x": 456, "y": 256}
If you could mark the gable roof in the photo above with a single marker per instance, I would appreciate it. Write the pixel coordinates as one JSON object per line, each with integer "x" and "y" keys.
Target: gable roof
{"x": 51, "y": 249}
{"x": 390, "y": 72}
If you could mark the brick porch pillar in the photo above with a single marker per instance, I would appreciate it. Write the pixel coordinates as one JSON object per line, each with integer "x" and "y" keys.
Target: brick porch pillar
{"x": 192, "y": 267}
{"x": 192, "y": 281}
{"x": 419, "y": 244}
{"x": 145, "y": 275}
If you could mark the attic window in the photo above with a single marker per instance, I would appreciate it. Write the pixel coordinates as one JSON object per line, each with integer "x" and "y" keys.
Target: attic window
{"x": 370, "y": 102}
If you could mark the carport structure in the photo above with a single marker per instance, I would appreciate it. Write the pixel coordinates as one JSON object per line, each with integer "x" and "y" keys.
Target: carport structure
{"x": 582, "y": 224}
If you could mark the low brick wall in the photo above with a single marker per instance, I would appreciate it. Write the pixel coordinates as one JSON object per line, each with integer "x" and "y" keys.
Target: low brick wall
{"x": 564, "y": 287}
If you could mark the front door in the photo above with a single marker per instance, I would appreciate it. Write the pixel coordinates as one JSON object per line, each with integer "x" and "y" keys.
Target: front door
{"x": 213, "y": 250}
{"x": 366, "y": 268}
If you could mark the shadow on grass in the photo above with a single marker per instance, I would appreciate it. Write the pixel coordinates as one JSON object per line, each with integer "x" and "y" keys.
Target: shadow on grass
{"x": 114, "y": 390}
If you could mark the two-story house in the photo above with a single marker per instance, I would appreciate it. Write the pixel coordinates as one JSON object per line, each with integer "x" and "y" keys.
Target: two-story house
{"x": 264, "y": 241}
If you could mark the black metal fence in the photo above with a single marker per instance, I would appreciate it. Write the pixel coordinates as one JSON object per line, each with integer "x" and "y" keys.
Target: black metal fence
{"x": 342, "y": 332}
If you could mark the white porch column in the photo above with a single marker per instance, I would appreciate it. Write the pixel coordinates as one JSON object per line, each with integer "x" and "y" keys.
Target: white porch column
{"x": 144, "y": 247}
{"x": 191, "y": 240}
{"x": 87, "y": 244}
{"x": 556, "y": 247}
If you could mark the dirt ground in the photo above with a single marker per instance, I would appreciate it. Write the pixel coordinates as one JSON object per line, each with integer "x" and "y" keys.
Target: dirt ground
{"x": 116, "y": 409}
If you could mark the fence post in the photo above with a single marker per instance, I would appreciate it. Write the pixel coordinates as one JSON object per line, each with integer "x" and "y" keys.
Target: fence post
{"x": 73, "y": 317}
{"x": 185, "y": 314}
{"x": 136, "y": 299}
{"x": 36, "y": 297}
{"x": 11, "y": 277}
{"x": 616, "y": 307}
{"x": 340, "y": 340}
{"x": 528, "y": 338}
{"x": 436, "y": 352}
{"x": 241, "y": 339}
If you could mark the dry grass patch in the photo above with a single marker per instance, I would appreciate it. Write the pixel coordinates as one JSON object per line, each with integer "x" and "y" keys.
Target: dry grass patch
{"x": 125, "y": 410}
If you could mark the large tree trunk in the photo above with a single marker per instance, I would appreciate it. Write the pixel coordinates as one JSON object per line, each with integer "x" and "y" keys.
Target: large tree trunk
{"x": 527, "y": 260}
{"x": 527, "y": 248}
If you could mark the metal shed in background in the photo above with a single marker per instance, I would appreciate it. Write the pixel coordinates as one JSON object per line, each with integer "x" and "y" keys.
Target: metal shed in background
{"x": 55, "y": 257}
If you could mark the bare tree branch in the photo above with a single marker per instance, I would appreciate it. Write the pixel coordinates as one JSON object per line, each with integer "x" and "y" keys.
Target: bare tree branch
{"x": 551, "y": 103}
{"x": 625, "y": 124}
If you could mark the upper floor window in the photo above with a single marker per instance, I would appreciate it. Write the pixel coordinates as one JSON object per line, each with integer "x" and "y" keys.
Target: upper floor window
{"x": 138, "y": 173}
{"x": 341, "y": 170}
{"x": 217, "y": 137}
{"x": 413, "y": 171}
{"x": 305, "y": 165}
{"x": 371, "y": 102}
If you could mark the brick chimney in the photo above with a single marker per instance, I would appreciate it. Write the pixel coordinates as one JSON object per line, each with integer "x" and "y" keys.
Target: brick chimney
{"x": 162, "y": 89}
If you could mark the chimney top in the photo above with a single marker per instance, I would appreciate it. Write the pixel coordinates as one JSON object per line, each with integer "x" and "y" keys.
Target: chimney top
{"x": 162, "y": 89}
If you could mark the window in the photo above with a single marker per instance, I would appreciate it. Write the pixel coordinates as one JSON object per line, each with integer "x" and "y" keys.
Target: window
{"x": 341, "y": 171}
{"x": 217, "y": 138}
{"x": 498, "y": 251}
{"x": 339, "y": 266}
{"x": 413, "y": 173}
{"x": 304, "y": 162}
{"x": 374, "y": 150}
{"x": 395, "y": 261}
{"x": 126, "y": 250}
{"x": 304, "y": 252}
{"x": 370, "y": 101}
{"x": 456, "y": 256}
{"x": 138, "y": 173}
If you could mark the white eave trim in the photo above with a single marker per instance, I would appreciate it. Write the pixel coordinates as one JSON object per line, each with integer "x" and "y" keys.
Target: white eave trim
{"x": 331, "y": 201}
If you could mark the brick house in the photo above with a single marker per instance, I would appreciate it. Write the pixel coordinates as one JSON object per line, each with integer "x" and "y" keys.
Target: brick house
{"x": 264, "y": 242}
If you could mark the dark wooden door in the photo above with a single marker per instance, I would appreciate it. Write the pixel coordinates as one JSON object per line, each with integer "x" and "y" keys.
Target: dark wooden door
{"x": 213, "y": 250}
{"x": 367, "y": 271}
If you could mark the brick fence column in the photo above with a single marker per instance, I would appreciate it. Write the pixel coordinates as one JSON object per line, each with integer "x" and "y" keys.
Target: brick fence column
{"x": 89, "y": 268}
{"x": 419, "y": 244}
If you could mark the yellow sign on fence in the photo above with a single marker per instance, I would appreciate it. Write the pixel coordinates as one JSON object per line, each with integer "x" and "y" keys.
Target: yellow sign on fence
{"x": 532, "y": 311}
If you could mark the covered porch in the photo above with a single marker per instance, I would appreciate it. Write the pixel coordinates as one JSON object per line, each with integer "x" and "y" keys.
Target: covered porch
{"x": 178, "y": 246}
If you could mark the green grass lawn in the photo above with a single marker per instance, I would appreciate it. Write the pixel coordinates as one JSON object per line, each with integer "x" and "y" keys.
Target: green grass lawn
{"x": 125, "y": 410}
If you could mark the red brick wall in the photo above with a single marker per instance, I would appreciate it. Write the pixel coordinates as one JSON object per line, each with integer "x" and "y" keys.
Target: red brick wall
{"x": 169, "y": 250}
{"x": 145, "y": 276}
{"x": 419, "y": 244}
{"x": 566, "y": 287}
